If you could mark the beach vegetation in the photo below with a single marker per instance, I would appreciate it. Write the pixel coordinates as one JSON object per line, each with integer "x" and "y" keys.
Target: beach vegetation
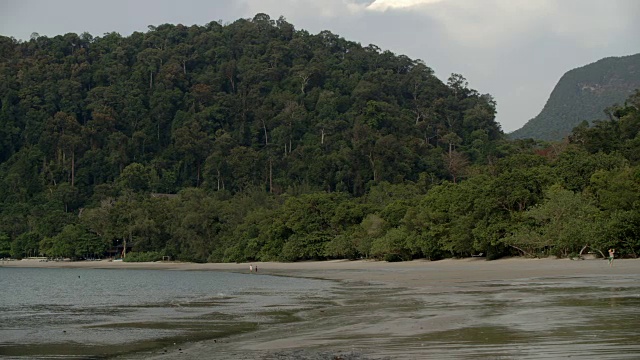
{"x": 147, "y": 256}
{"x": 5, "y": 245}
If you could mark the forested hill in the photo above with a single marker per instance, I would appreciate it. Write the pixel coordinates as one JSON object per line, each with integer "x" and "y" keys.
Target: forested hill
{"x": 252, "y": 103}
{"x": 583, "y": 94}
{"x": 256, "y": 141}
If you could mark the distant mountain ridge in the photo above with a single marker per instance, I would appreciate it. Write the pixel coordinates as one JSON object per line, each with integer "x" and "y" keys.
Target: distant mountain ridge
{"x": 583, "y": 94}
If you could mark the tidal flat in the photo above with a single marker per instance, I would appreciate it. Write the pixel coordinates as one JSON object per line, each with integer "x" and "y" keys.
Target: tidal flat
{"x": 462, "y": 309}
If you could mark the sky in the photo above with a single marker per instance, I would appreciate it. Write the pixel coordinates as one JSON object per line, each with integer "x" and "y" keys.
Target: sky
{"x": 515, "y": 50}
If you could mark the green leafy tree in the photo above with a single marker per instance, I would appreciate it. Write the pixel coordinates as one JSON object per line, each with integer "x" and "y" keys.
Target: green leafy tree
{"x": 74, "y": 241}
{"x": 392, "y": 246}
{"x": 562, "y": 225}
{"x": 5, "y": 245}
{"x": 621, "y": 232}
{"x": 617, "y": 189}
{"x": 135, "y": 177}
{"x": 25, "y": 245}
{"x": 575, "y": 166}
{"x": 309, "y": 218}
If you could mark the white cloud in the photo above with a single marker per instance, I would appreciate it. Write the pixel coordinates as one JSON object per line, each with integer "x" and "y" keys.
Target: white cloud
{"x": 292, "y": 9}
{"x": 382, "y": 5}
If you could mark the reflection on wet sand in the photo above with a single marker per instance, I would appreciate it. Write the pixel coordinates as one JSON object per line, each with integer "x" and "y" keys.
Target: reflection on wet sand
{"x": 525, "y": 309}
{"x": 550, "y": 317}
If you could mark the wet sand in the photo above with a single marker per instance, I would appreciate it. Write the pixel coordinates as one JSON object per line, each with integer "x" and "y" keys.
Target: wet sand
{"x": 412, "y": 274}
{"x": 468, "y": 308}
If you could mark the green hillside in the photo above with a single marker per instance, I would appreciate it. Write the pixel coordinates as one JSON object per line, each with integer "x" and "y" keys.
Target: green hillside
{"x": 254, "y": 103}
{"x": 583, "y": 94}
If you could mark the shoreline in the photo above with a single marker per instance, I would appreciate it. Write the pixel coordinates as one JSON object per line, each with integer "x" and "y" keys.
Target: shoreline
{"x": 394, "y": 273}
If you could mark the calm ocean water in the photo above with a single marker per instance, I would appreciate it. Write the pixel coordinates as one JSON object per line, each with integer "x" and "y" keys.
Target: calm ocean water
{"x": 99, "y": 313}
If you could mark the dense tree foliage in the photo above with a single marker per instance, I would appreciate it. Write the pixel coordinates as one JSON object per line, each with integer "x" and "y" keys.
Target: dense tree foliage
{"x": 256, "y": 141}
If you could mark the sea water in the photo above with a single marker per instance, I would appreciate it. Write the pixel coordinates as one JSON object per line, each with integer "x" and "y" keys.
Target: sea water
{"x": 99, "y": 312}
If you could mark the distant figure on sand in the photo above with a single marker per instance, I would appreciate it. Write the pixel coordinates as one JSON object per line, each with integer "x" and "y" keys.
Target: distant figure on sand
{"x": 250, "y": 268}
{"x": 256, "y": 268}
{"x": 611, "y": 255}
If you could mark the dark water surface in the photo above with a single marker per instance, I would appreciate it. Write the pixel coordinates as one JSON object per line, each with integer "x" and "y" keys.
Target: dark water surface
{"x": 98, "y": 313}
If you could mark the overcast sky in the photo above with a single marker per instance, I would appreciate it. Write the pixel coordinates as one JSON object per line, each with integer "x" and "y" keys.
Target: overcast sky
{"x": 515, "y": 50}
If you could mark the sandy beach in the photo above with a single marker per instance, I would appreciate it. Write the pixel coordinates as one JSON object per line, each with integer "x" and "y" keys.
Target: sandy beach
{"x": 412, "y": 274}
{"x": 410, "y": 309}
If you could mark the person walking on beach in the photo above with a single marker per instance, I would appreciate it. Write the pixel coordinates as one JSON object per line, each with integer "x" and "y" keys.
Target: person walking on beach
{"x": 250, "y": 268}
{"x": 611, "y": 255}
{"x": 256, "y": 268}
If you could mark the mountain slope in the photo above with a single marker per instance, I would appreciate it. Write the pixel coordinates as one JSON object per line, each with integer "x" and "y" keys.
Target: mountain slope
{"x": 583, "y": 94}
